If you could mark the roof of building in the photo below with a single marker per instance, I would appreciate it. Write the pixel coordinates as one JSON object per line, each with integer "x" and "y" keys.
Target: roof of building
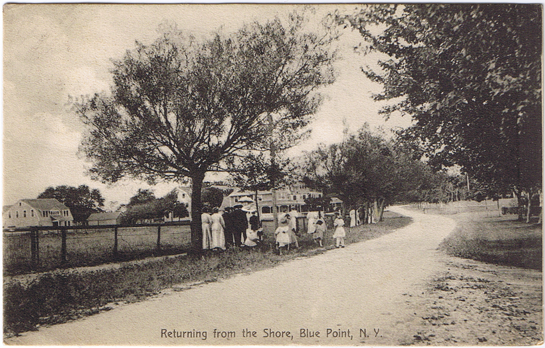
{"x": 45, "y": 204}
{"x": 5, "y": 208}
{"x": 103, "y": 216}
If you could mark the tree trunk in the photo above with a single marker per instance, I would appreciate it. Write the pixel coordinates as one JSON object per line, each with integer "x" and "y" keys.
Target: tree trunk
{"x": 196, "y": 211}
{"x": 381, "y": 206}
{"x": 518, "y": 194}
{"x": 529, "y": 206}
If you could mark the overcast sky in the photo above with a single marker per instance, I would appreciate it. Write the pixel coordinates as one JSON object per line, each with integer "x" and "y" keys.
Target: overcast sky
{"x": 52, "y": 52}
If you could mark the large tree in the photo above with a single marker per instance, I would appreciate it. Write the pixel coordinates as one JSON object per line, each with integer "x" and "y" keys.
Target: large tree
{"x": 180, "y": 107}
{"x": 81, "y": 200}
{"x": 470, "y": 77}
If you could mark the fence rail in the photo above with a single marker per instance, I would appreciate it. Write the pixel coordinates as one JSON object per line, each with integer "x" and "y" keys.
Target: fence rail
{"x": 50, "y": 247}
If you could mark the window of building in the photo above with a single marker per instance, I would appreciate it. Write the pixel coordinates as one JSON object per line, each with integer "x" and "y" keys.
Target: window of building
{"x": 16, "y": 214}
{"x": 32, "y": 212}
{"x": 9, "y": 215}
{"x": 266, "y": 210}
{"x": 19, "y": 203}
{"x": 45, "y": 213}
{"x": 294, "y": 197}
{"x": 24, "y": 213}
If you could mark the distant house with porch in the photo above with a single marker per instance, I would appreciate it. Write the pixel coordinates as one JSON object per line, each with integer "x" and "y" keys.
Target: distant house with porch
{"x": 96, "y": 219}
{"x": 36, "y": 212}
{"x": 288, "y": 199}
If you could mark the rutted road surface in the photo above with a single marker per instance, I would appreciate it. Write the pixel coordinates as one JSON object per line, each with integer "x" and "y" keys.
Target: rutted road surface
{"x": 351, "y": 296}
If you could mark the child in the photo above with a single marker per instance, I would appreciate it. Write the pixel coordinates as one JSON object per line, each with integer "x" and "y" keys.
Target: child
{"x": 340, "y": 233}
{"x": 319, "y": 230}
{"x": 282, "y": 236}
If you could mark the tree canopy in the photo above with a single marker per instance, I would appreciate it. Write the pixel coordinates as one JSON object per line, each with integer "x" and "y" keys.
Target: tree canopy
{"x": 470, "y": 77}
{"x": 366, "y": 169}
{"x": 179, "y": 107}
{"x": 144, "y": 206}
{"x": 81, "y": 200}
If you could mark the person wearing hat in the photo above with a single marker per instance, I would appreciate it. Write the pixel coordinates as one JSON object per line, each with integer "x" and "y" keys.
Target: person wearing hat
{"x": 292, "y": 222}
{"x": 282, "y": 235}
{"x": 340, "y": 232}
{"x": 240, "y": 224}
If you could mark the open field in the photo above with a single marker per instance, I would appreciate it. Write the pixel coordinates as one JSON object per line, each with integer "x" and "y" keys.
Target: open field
{"x": 64, "y": 295}
{"x": 87, "y": 247}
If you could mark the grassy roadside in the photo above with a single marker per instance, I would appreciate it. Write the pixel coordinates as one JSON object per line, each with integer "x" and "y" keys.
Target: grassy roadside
{"x": 495, "y": 239}
{"x": 70, "y": 294}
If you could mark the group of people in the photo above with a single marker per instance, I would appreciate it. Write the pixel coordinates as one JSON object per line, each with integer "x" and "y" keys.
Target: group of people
{"x": 222, "y": 230}
{"x": 285, "y": 233}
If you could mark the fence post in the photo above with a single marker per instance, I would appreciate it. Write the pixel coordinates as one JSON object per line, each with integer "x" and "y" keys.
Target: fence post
{"x": 34, "y": 248}
{"x": 159, "y": 237}
{"x": 115, "y": 242}
{"x": 63, "y": 246}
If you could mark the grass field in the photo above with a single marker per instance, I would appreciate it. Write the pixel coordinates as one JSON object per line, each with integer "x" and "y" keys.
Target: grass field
{"x": 91, "y": 247}
{"x": 496, "y": 239}
{"x": 68, "y": 294}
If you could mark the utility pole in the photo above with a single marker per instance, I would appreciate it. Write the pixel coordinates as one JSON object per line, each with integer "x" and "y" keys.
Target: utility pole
{"x": 272, "y": 149}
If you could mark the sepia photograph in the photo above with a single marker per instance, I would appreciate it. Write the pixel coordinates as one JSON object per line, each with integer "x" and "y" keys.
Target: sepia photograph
{"x": 266, "y": 174}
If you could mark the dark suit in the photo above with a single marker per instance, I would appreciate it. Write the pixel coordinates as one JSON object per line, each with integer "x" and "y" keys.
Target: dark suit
{"x": 240, "y": 224}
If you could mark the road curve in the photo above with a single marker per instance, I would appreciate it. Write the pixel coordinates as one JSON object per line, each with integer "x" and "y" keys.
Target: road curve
{"x": 349, "y": 296}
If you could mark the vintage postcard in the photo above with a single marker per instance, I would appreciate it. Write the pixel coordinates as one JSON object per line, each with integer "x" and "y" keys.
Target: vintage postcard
{"x": 272, "y": 174}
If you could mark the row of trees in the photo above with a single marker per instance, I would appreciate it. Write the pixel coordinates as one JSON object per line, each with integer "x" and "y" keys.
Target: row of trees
{"x": 468, "y": 75}
{"x": 368, "y": 170}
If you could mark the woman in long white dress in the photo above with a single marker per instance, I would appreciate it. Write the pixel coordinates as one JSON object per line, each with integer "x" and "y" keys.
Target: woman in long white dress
{"x": 340, "y": 232}
{"x": 218, "y": 225}
{"x": 312, "y": 216}
{"x": 206, "y": 221}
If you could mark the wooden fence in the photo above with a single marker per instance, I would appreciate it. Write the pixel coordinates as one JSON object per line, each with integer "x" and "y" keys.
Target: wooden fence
{"x": 45, "y": 248}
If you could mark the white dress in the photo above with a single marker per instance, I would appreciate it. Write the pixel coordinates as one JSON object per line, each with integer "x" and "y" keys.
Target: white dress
{"x": 218, "y": 225}
{"x": 282, "y": 235}
{"x": 352, "y": 218}
{"x": 319, "y": 232}
{"x": 312, "y": 218}
{"x": 206, "y": 220}
{"x": 339, "y": 231}
{"x": 251, "y": 238}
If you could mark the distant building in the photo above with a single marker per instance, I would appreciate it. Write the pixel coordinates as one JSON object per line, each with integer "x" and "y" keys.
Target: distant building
{"x": 184, "y": 196}
{"x": 37, "y": 212}
{"x": 287, "y": 199}
{"x": 96, "y": 219}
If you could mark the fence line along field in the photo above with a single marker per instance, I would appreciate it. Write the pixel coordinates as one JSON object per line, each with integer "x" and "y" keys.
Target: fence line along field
{"x": 49, "y": 248}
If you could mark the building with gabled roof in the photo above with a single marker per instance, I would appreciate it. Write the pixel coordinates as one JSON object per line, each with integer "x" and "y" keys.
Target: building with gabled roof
{"x": 37, "y": 212}
{"x": 113, "y": 218}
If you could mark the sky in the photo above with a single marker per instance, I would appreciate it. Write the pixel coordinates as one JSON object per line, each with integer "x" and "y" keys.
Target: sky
{"x": 55, "y": 52}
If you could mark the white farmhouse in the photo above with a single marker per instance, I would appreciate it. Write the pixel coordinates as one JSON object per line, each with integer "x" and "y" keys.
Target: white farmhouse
{"x": 37, "y": 212}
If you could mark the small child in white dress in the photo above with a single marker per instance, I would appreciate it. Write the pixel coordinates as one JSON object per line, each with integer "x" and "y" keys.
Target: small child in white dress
{"x": 340, "y": 232}
{"x": 282, "y": 235}
{"x": 319, "y": 230}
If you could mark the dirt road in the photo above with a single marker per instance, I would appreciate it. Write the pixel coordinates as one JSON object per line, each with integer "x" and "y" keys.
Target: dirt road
{"x": 351, "y": 296}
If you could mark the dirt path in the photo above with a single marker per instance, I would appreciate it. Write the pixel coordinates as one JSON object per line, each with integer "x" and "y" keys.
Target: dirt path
{"x": 367, "y": 293}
